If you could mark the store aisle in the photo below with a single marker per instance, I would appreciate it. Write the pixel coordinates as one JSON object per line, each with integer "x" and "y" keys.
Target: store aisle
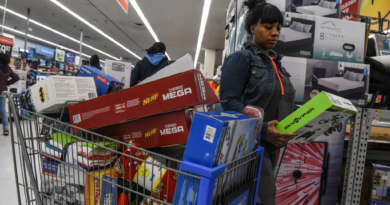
{"x": 8, "y": 193}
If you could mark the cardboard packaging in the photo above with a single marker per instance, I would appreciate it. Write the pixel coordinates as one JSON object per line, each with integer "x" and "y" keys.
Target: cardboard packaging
{"x": 119, "y": 70}
{"x": 105, "y": 84}
{"x": 179, "y": 91}
{"x": 49, "y": 95}
{"x": 155, "y": 131}
{"x": 222, "y": 137}
{"x": 322, "y": 115}
{"x": 330, "y": 9}
{"x": 109, "y": 192}
{"x": 381, "y": 186}
{"x": 93, "y": 186}
{"x": 322, "y": 38}
{"x": 22, "y": 74}
{"x": 311, "y": 76}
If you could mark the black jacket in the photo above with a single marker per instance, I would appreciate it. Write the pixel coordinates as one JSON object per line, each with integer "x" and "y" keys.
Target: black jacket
{"x": 144, "y": 68}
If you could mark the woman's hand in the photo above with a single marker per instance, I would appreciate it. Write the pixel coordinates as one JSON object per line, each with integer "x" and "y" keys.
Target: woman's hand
{"x": 275, "y": 137}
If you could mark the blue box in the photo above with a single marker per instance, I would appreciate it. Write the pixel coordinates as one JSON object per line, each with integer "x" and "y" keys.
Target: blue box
{"x": 109, "y": 192}
{"x": 105, "y": 84}
{"x": 220, "y": 137}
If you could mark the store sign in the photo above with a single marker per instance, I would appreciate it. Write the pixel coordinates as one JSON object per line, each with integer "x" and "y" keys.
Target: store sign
{"x": 124, "y": 4}
{"x": 6, "y": 45}
{"x": 350, "y": 7}
{"x": 70, "y": 57}
{"x": 60, "y": 55}
{"x": 41, "y": 50}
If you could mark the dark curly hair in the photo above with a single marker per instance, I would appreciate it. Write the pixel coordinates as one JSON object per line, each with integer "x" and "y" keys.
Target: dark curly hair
{"x": 260, "y": 10}
{"x": 4, "y": 59}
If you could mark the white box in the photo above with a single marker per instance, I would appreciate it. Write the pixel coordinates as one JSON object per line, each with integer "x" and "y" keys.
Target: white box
{"x": 50, "y": 94}
{"x": 22, "y": 74}
{"x": 119, "y": 70}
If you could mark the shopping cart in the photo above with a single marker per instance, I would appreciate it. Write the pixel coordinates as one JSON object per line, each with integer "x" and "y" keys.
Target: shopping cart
{"x": 57, "y": 163}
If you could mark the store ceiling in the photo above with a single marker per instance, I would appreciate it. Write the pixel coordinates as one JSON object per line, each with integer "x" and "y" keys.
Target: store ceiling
{"x": 176, "y": 23}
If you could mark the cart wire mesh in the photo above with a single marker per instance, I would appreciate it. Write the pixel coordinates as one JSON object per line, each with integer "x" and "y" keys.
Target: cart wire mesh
{"x": 57, "y": 163}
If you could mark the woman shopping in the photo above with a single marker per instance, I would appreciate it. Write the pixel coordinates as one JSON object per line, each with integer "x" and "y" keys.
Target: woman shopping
{"x": 5, "y": 73}
{"x": 255, "y": 76}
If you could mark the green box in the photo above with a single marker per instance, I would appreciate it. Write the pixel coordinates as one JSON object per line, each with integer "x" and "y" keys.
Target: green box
{"x": 323, "y": 114}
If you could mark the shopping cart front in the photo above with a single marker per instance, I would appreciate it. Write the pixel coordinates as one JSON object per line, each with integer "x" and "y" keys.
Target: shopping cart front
{"x": 57, "y": 163}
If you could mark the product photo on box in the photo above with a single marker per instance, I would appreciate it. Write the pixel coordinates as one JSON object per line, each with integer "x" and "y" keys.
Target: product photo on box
{"x": 119, "y": 70}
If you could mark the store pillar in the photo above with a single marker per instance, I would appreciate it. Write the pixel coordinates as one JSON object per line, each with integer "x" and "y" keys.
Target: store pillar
{"x": 209, "y": 63}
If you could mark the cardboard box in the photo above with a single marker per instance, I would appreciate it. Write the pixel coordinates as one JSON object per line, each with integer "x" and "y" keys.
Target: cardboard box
{"x": 49, "y": 95}
{"x": 322, "y": 38}
{"x": 381, "y": 185}
{"x": 109, "y": 192}
{"x": 311, "y": 76}
{"x": 310, "y": 7}
{"x": 119, "y": 70}
{"x": 93, "y": 186}
{"x": 155, "y": 131}
{"x": 105, "y": 84}
{"x": 22, "y": 74}
{"x": 179, "y": 91}
{"x": 322, "y": 115}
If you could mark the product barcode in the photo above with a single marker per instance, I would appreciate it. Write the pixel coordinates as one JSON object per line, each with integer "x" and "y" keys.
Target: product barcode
{"x": 359, "y": 58}
{"x": 361, "y": 102}
{"x": 209, "y": 134}
{"x": 76, "y": 118}
{"x": 91, "y": 95}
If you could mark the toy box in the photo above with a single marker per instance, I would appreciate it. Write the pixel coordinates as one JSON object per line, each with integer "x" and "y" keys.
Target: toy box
{"x": 222, "y": 137}
{"x": 381, "y": 185}
{"x": 186, "y": 89}
{"x": 308, "y": 36}
{"x": 93, "y": 186}
{"x": 155, "y": 131}
{"x": 119, "y": 70}
{"x": 109, "y": 191}
{"x": 50, "y": 94}
{"x": 322, "y": 115}
{"x": 105, "y": 84}
{"x": 311, "y": 76}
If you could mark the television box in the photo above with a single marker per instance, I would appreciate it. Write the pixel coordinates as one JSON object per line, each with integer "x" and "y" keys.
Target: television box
{"x": 119, "y": 70}
{"x": 322, "y": 38}
{"x": 312, "y": 7}
{"x": 322, "y": 115}
{"x": 155, "y": 131}
{"x": 380, "y": 185}
{"x": 311, "y": 76}
{"x": 183, "y": 90}
{"x": 105, "y": 84}
{"x": 50, "y": 94}
{"x": 221, "y": 137}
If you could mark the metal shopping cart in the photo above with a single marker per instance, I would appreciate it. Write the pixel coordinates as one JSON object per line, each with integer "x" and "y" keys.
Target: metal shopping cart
{"x": 57, "y": 163}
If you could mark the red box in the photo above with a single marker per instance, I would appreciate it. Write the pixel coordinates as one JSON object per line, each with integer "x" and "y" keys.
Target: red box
{"x": 155, "y": 131}
{"x": 186, "y": 89}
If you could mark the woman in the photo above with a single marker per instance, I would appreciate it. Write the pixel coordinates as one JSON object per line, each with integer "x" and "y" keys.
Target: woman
{"x": 254, "y": 76}
{"x": 5, "y": 73}
{"x": 154, "y": 61}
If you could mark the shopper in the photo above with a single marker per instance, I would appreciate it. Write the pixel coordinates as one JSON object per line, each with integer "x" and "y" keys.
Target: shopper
{"x": 154, "y": 61}
{"x": 254, "y": 76}
{"x": 5, "y": 73}
{"x": 95, "y": 62}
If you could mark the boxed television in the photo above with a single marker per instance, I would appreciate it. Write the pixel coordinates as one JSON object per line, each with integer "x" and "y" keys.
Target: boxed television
{"x": 105, "y": 84}
{"x": 50, "y": 94}
{"x": 119, "y": 70}
{"x": 322, "y": 115}
{"x": 154, "y": 131}
{"x": 183, "y": 90}
{"x": 311, "y": 76}
{"x": 308, "y": 36}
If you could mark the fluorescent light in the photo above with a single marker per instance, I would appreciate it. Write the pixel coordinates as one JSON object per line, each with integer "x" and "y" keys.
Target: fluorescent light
{"x": 205, "y": 15}
{"x": 371, "y": 36}
{"x": 59, "y": 33}
{"x": 45, "y": 41}
{"x": 94, "y": 28}
{"x": 146, "y": 22}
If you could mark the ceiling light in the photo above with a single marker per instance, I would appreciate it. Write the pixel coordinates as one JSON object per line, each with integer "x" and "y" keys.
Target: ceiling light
{"x": 206, "y": 10}
{"x": 146, "y": 22}
{"x": 45, "y": 41}
{"x": 57, "y": 32}
{"x": 94, "y": 27}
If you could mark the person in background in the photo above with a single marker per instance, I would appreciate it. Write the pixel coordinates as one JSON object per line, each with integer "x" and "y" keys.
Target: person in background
{"x": 154, "y": 61}
{"x": 254, "y": 76}
{"x": 95, "y": 62}
{"x": 5, "y": 73}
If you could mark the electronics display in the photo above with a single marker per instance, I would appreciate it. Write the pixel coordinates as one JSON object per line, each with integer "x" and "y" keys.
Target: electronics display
{"x": 49, "y": 63}
{"x": 61, "y": 66}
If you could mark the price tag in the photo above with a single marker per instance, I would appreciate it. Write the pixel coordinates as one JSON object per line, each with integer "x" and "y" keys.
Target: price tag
{"x": 376, "y": 118}
{"x": 378, "y": 111}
